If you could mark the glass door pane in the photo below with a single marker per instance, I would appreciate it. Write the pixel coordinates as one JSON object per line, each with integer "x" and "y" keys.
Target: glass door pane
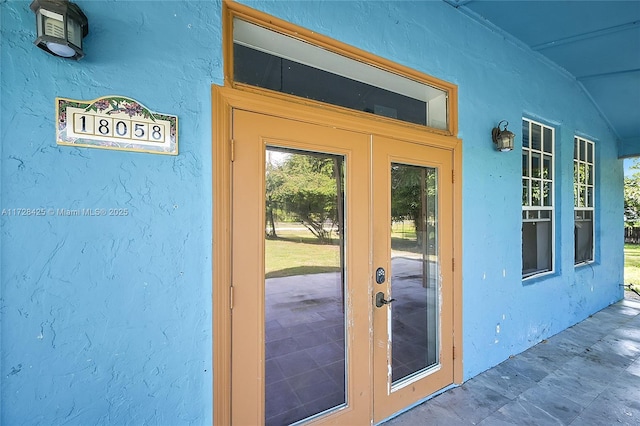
{"x": 305, "y": 369}
{"x": 413, "y": 305}
{"x": 414, "y": 270}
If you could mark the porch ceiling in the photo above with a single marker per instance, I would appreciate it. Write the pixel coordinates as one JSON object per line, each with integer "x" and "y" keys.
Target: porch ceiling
{"x": 597, "y": 42}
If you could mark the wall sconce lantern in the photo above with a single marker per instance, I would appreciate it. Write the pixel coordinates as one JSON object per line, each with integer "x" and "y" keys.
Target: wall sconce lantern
{"x": 61, "y": 27}
{"x": 502, "y": 138}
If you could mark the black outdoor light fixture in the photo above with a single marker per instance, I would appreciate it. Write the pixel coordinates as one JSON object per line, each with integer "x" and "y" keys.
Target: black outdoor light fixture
{"x": 503, "y": 139}
{"x": 61, "y": 26}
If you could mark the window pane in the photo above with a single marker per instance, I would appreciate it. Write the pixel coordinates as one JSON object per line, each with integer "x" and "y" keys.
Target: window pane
{"x": 583, "y": 150}
{"x": 575, "y": 148}
{"x": 582, "y": 174}
{"x": 525, "y": 163}
{"x": 525, "y": 192}
{"x": 536, "y": 247}
{"x": 576, "y": 180}
{"x": 589, "y": 200}
{"x": 414, "y": 270}
{"x": 586, "y": 176}
{"x": 525, "y": 134}
{"x": 548, "y": 140}
{"x": 547, "y": 170}
{"x": 535, "y": 165}
{"x": 590, "y": 152}
{"x": 589, "y": 179}
{"x": 263, "y": 58}
{"x": 583, "y": 240}
{"x": 283, "y": 75}
{"x": 304, "y": 302}
{"x": 536, "y": 196}
{"x": 536, "y": 137}
{"x": 547, "y": 194}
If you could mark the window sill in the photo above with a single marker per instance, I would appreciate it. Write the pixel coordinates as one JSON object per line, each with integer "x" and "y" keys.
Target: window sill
{"x": 532, "y": 279}
{"x": 585, "y": 263}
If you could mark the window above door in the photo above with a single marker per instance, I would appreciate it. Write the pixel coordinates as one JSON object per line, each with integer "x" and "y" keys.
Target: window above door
{"x": 291, "y": 60}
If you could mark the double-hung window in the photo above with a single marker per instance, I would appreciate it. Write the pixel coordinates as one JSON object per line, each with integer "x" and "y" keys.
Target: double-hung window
{"x": 583, "y": 199}
{"x": 537, "y": 198}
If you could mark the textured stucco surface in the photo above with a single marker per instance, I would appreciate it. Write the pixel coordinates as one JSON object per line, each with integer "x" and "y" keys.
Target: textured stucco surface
{"x": 108, "y": 320}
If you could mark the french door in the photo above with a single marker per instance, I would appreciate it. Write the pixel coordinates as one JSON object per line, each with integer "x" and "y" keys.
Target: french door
{"x": 412, "y": 240}
{"x": 341, "y": 264}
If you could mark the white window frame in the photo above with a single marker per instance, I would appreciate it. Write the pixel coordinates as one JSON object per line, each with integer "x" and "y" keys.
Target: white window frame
{"x": 542, "y": 212}
{"x": 585, "y": 205}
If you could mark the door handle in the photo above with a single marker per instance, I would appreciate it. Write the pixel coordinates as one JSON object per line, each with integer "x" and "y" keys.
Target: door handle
{"x": 380, "y": 300}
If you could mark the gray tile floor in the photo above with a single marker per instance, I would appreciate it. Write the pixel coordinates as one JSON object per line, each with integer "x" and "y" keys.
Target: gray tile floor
{"x": 588, "y": 374}
{"x": 304, "y": 333}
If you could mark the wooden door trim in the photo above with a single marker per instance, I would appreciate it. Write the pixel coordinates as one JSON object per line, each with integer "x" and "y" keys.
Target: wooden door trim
{"x": 224, "y": 99}
{"x": 221, "y": 258}
{"x": 308, "y": 111}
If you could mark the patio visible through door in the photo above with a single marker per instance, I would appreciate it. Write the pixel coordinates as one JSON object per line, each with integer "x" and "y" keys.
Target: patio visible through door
{"x": 341, "y": 267}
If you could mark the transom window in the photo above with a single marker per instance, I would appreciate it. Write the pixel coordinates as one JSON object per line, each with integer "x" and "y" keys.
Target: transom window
{"x": 537, "y": 198}
{"x": 275, "y": 61}
{"x": 583, "y": 199}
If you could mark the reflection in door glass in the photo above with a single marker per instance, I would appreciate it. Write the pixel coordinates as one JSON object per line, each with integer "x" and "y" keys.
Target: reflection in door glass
{"x": 304, "y": 285}
{"x": 414, "y": 270}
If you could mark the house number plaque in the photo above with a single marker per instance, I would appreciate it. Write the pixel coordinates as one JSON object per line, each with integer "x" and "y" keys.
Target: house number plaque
{"x": 115, "y": 122}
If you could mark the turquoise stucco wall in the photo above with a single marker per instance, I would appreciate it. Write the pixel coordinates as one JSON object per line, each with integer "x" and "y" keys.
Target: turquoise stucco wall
{"x": 108, "y": 320}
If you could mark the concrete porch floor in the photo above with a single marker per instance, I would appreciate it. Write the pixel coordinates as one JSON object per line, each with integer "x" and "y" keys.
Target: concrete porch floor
{"x": 588, "y": 374}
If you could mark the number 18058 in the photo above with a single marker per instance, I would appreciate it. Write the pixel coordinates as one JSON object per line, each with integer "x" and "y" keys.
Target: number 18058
{"x": 118, "y": 128}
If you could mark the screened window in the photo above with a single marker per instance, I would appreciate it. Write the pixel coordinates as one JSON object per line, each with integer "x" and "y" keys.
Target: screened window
{"x": 537, "y": 198}
{"x": 583, "y": 199}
